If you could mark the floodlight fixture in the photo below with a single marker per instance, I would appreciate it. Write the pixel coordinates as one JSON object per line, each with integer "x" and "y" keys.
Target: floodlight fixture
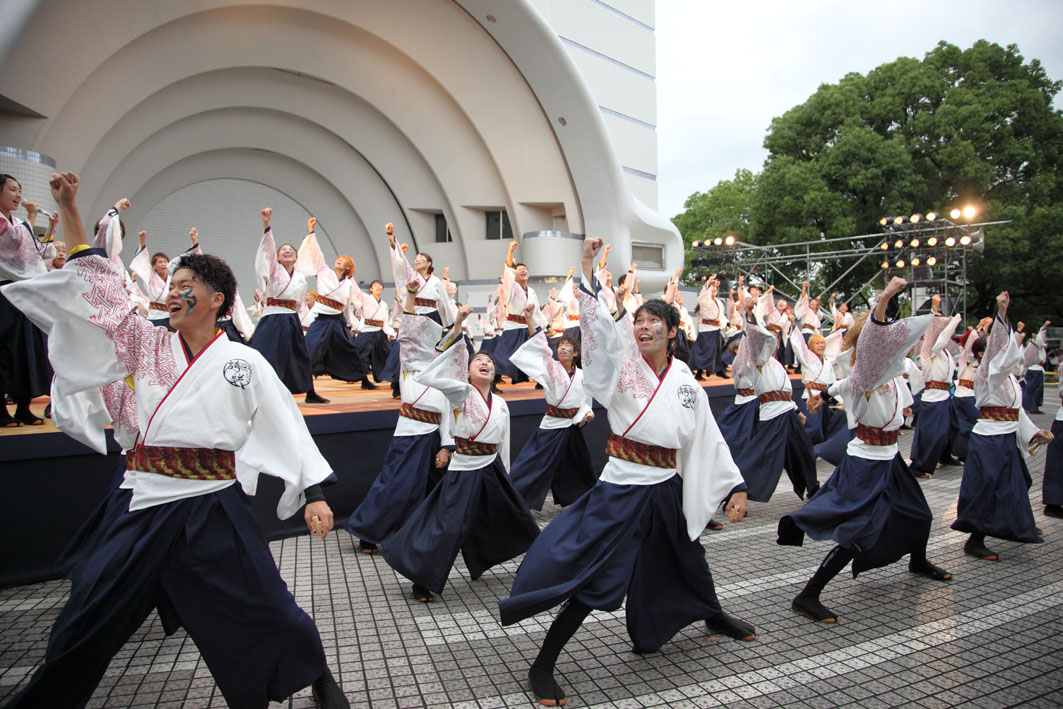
{"x": 900, "y": 263}
{"x": 915, "y": 261}
{"x": 730, "y": 240}
{"x": 969, "y": 211}
{"x": 932, "y": 241}
{"x": 915, "y": 243}
{"x": 931, "y": 261}
{"x": 955, "y": 214}
{"x": 965, "y": 240}
{"x": 951, "y": 241}
{"x": 898, "y": 244}
{"x": 718, "y": 241}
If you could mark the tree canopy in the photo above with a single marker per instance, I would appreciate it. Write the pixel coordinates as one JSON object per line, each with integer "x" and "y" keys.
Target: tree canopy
{"x": 972, "y": 126}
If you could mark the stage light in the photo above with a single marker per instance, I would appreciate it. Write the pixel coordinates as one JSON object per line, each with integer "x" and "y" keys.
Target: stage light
{"x": 885, "y": 264}
{"x": 950, "y": 241}
{"x": 730, "y": 240}
{"x": 898, "y": 220}
{"x": 718, "y": 241}
{"x": 969, "y": 211}
{"x": 695, "y": 244}
{"x": 932, "y": 241}
{"x": 914, "y": 219}
{"x": 898, "y": 244}
{"x": 931, "y": 261}
{"x": 915, "y": 260}
{"x": 965, "y": 240}
{"x": 915, "y": 243}
{"x": 885, "y": 245}
{"x": 884, "y": 221}
{"x": 955, "y": 214}
{"x": 900, "y": 263}
{"x": 931, "y": 216}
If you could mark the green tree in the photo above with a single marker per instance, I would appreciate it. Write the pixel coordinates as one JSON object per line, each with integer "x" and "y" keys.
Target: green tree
{"x": 958, "y": 127}
{"x": 723, "y": 210}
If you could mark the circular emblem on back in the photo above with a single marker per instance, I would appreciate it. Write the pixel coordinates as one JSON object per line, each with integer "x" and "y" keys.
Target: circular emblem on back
{"x": 687, "y": 395}
{"x": 237, "y": 372}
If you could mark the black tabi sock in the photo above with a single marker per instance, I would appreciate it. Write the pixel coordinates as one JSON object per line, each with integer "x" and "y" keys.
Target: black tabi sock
{"x": 561, "y": 631}
{"x": 836, "y": 560}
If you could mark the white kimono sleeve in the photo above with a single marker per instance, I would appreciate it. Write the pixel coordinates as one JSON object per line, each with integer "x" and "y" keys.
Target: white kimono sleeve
{"x": 605, "y": 343}
{"x": 449, "y": 373}
{"x": 280, "y": 446}
{"x": 535, "y": 359}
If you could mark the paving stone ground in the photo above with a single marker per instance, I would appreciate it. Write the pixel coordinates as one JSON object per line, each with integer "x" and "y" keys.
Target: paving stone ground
{"x": 989, "y": 638}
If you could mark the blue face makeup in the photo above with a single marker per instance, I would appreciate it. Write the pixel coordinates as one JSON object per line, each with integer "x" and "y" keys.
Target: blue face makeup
{"x": 189, "y": 298}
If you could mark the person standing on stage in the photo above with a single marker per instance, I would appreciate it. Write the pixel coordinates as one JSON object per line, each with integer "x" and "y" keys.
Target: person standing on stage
{"x": 963, "y": 398}
{"x": 1052, "y": 485}
{"x": 375, "y": 332}
{"x": 635, "y": 533}
{"x": 871, "y": 506}
{"x": 556, "y": 456}
{"x": 843, "y": 319}
{"x": 806, "y": 311}
{"x": 930, "y": 444}
{"x": 1033, "y": 394}
{"x": 279, "y": 334}
{"x": 328, "y": 339}
{"x": 422, "y": 445}
{"x": 211, "y": 413}
{"x": 24, "y": 369}
{"x": 705, "y": 356}
{"x": 516, "y": 294}
{"x": 474, "y": 508}
{"x": 816, "y": 354}
{"x": 994, "y": 499}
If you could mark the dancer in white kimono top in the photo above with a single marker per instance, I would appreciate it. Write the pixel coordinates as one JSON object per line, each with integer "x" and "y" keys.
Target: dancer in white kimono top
{"x": 516, "y": 294}
{"x": 556, "y": 457}
{"x": 963, "y": 399}
{"x": 932, "y": 439}
{"x": 153, "y": 273}
{"x": 474, "y": 509}
{"x": 1034, "y": 354}
{"x": 994, "y": 496}
{"x": 210, "y": 414}
{"x": 816, "y": 354}
{"x": 635, "y": 533}
{"x": 871, "y": 506}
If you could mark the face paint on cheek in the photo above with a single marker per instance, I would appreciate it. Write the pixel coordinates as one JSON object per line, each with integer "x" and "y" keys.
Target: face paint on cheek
{"x": 189, "y": 298}
{"x": 658, "y": 333}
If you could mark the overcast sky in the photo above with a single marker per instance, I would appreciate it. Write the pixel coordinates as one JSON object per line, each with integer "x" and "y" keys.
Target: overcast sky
{"x": 725, "y": 69}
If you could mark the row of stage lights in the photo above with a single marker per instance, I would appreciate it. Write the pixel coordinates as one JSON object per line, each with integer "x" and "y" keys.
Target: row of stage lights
{"x": 949, "y": 241}
{"x": 728, "y": 240}
{"x": 901, "y": 221}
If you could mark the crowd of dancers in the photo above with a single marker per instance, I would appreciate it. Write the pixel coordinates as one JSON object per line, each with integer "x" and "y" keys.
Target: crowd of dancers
{"x": 158, "y": 353}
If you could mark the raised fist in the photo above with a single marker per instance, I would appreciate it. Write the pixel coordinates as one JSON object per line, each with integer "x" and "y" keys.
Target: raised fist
{"x": 123, "y": 204}
{"x": 529, "y": 311}
{"x": 267, "y": 214}
{"x": 310, "y": 224}
{"x": 143, "y": 236}
{"x": 592, "y": 245}
{"x": 193, "y": 234}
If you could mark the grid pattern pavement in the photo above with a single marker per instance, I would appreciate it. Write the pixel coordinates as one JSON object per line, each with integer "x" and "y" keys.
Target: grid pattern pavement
{"x": 989, "y": 638}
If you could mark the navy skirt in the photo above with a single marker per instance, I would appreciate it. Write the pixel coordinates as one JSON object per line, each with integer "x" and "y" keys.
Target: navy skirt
{"x": 408, "y": 473}
{"x": 777, "y": 444}
{"x": 203, "y": 562}
{"x": 705, "y": 354}
{"x": 1033, "y": 394}
{"x": 25, "y": 371}
{"x": 822, "y": 424}
{"x": 574, "y": 332}
{"x": 553, "y": 459}
{"x": 488, "y": 345}
{"x": 279, "y": 338}
{"x": 505, "y": 345}
{"x": 682, "y": 348}
{"x": 833, "y": 449}
{"x": 87, "y": 538}
{"x": 737, "y": 424}
{"x": 930, "y": 443}
{"x": 476, "y": 512}
{"x": 966, "y": 414}
{"x": 332, "y": 349}
{"x": 374, "y": 349}
{"x": 994, "y": 492}
{"x": 614, "y": 541}
{"x": 1052, "y": 489}
{"x": 393, "y": 364}
{"x": 874, "y": 508}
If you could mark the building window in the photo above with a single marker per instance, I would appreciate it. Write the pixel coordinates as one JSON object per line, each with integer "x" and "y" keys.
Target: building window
{"x": 498, "y": 225}
{"x": 442, "y": 230}
{"x": 648, "y": 256}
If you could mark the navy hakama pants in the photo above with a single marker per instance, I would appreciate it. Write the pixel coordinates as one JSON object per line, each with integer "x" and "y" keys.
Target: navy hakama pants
{"x": 994, "y": 492}
{"x": 230, "y": 330}
{"x": 279, "y": 338}
{"x": 488, "y": 345}
{"x": 87, "y": 538}
{"x": 737, "y": 423}
{"x": 553, "y": 459}
{"x": 332, "y": 349}
{"x": 204, "y": 563}
{"x": 1052, "y": 489}
{"x": 1033, "y": 395}
{"x": 374, "y": 348}
{"x": 777, "y": 444}
{"x": 874, "y": 508}
{"x": 161, "y": 322}
{"x": 930, "y": 443}
{"x": 505, "y": 345}
{"x": 476, "y": 512}
{"x": 391, "y": 371}
{"x": 408, "y": 473}
{"x": 833, "y": 449}
{"x": 574, "y": 333}
{"x": 682, "y": 349}
{"x": 705, "y": 354}
{"x": 966, "y": 414}
{"x": 25, "y": 371}
{"x": 614, "y": 541}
